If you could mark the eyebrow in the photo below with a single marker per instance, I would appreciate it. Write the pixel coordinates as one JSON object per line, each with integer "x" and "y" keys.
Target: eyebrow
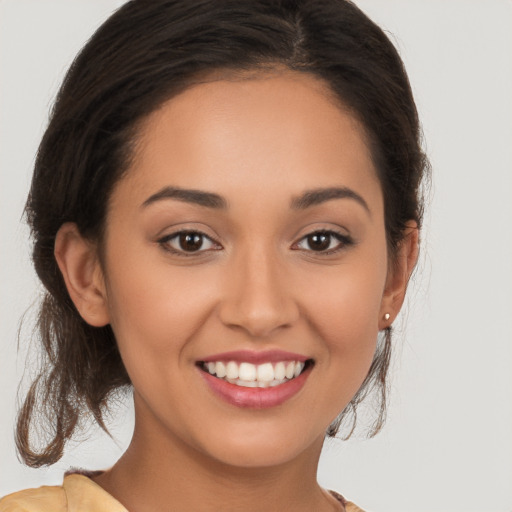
{"x": 321, "y": 195}
{"x": 210, "y": 200}
{"x": 207, "y": 199}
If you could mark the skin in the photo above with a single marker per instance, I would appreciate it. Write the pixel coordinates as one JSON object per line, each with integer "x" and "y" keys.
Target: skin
{"x": 256, "y": 284}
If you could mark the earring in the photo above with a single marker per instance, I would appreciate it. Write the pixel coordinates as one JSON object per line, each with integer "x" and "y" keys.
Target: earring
{"x": 386, "y": 316}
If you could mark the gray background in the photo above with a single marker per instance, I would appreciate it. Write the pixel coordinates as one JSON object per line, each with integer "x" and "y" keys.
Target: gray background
{"x": 447, "y": 445}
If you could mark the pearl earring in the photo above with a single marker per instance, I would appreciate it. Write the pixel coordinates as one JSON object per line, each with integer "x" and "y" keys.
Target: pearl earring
{"x": 386, "y": 316}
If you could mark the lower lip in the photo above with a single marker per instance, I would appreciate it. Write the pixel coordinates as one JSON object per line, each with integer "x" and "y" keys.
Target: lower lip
{"x": 255, "y": 398}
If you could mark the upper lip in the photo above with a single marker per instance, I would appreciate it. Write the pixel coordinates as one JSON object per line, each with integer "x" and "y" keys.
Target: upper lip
{"x": 256, "y": 357}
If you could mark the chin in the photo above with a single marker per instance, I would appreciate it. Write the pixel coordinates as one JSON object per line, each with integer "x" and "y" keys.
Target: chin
{"x": 261, "y": 447}
{"x": 252, "y": 457}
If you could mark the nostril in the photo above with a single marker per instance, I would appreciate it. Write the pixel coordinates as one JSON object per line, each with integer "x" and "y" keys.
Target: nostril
{"x": 257, "y": 317}
{"x": 256, "y": 296}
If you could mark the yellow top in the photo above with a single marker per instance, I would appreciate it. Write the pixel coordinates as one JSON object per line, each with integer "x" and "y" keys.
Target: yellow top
{"x": 78, "y": 493}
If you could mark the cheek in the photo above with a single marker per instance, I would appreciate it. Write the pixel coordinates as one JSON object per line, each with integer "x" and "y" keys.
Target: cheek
{"x": 345, "y": 319}
{"x": 155, "y": 308}
{"x": 345, "y": 307}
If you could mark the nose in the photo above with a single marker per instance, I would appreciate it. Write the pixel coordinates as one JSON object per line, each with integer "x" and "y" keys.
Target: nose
{"x": 258, "y": 296}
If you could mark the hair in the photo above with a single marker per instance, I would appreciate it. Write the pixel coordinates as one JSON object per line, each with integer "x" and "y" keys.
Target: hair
{"x": 144, "y": 54}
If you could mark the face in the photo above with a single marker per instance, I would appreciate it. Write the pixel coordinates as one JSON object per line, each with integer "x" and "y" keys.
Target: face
{"x": 247, "y": 237}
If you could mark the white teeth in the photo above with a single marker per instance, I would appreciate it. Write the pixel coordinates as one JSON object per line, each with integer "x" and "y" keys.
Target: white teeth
{"x": 255, "y": 383}
{"x": 247, "y": 372}
{"x": 279, "y": 371}
{"x": 244, "y": 383}
{"x": 250, "y": 375}
{"x": 298, "y": 368}
{"x": 276, "y": 382}
{"x": 232, "y": 370}
{"x": 265, "y": 372}
{"x": 220, "y": 369}
{"x": 290, "y": 370}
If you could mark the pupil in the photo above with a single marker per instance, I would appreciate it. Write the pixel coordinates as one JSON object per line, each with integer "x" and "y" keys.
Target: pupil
{"x": 319, "y": 241}
{"x": 191, "y": 241}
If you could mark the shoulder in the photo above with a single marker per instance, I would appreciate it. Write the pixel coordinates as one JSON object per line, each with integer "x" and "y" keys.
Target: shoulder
{"x": 78, "y": 492}
{"x": 349, "y": 506}
{"x": 85, "y": 495}
{"x": 42, "y": 499}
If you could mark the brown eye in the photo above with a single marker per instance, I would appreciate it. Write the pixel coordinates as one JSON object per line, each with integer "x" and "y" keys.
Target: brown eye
{"x": 190, "y": 241}
{"x": 326, "y": 242}
{"x": 186, "y": 242}
{"x": 319, "y": 241}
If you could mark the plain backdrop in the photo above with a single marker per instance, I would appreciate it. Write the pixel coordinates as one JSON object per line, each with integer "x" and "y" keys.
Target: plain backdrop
{"x": 447, "y": 445}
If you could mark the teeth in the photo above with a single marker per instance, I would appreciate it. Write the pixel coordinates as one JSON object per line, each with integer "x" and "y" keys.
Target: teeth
{"x": 247, "y": 372}
{"x": 251, "y": 376}
{"x": 290, "y": 370}
{"x": 255, "y": 383}
{"x": 232, "y": 370}
{"x": 265, "y": 372}
{"x": 220, "y": 369}
{"x": 279, "y": 371}
{"x": 244, "y": 383}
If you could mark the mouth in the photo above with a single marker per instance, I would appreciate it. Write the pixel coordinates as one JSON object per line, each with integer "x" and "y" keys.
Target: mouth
{"x": 257, "y": 381}
{"x": 249, "y": 375}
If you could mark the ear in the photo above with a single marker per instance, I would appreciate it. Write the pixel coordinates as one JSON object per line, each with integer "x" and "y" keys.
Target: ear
{"x": 398, "y": 275}
{"x": 78, "y": 261}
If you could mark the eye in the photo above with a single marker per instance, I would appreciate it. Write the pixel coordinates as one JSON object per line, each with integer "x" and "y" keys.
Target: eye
{"x": 326, "y": 242}
{"x": 185, "y": 243}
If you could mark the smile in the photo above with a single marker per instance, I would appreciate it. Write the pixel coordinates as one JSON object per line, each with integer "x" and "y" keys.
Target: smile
{"x": 255, "y": 380}
{"x": 255, "y": 376}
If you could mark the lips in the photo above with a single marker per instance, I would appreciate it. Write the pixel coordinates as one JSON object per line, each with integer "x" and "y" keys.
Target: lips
{"x": 256, "y": 357}
{"x": 255, "y": 379}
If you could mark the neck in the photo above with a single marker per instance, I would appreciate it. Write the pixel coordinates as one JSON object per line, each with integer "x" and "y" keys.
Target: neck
{"x": 160, "y": 473}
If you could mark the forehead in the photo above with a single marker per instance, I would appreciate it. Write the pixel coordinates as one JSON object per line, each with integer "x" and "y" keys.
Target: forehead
{"x": 281, "y": 131}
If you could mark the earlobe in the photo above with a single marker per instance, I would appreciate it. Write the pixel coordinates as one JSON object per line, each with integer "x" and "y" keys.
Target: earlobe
{"x": 398, "y": 276}
{"x": 80, "y": 267}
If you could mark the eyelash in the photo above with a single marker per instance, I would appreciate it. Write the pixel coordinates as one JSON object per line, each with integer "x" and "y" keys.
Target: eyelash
{"x": 164, "y": 242}
{"x": 344, "y": 242}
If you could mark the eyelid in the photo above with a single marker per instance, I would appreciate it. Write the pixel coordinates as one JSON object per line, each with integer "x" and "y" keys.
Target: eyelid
{"x": 164, "y": 240}
{"x": 344, "y": 239}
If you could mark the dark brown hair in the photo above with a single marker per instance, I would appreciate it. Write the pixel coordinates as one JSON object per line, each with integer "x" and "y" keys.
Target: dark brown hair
{"x": 144, "y": 54}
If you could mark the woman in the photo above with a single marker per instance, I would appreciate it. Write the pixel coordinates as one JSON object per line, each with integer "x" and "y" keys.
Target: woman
{"x": 225, "y": 213}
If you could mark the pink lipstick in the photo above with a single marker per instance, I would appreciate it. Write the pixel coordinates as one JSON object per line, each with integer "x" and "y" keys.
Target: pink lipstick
{"x": 252, "y": 379}
{"x": 256, "y": 357}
